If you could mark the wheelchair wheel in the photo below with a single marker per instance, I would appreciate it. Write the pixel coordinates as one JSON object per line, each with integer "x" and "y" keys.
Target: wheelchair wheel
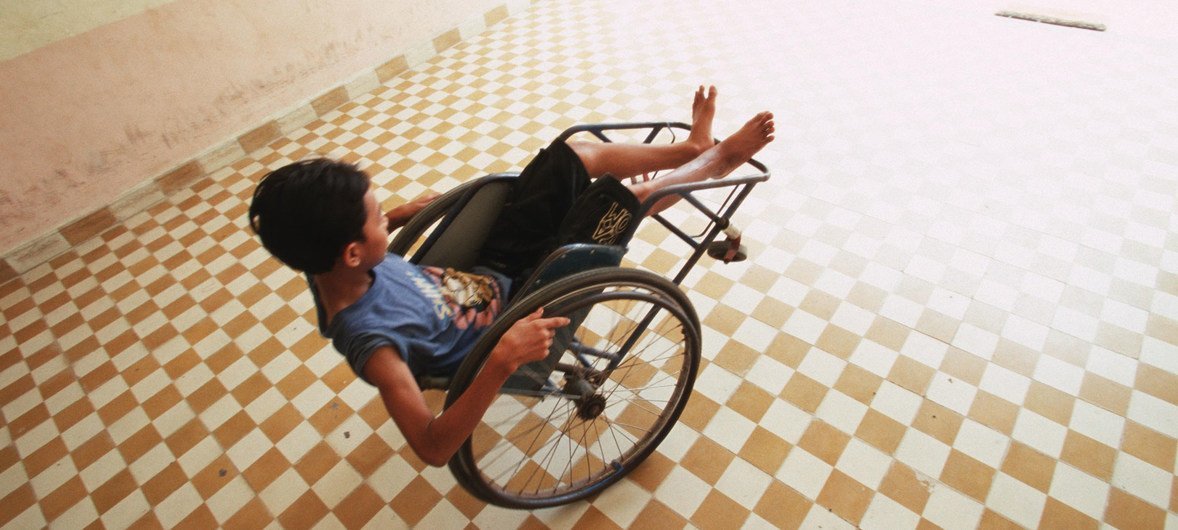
{"x": 616, "y": 381}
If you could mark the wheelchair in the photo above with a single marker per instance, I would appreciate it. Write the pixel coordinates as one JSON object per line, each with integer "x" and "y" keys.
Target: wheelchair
{"x": 617, "y": 377}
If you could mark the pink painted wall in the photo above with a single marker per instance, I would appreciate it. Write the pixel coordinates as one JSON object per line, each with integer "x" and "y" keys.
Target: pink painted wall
{"x": 87, "y": 118}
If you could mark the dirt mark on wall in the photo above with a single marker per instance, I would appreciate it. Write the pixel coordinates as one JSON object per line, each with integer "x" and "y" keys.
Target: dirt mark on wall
{"x": 258, "y": 95}
{"x": 20, "y": 209}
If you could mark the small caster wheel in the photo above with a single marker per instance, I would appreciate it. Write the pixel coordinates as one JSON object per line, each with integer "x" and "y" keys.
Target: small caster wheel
{"x": 728, "y": 251}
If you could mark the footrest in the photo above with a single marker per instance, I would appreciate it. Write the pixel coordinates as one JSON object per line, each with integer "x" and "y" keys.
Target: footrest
{"x": 728, "y": 251}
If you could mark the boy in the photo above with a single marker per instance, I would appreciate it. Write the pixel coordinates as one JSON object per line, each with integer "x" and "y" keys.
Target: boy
{"x": 393, "y": 320}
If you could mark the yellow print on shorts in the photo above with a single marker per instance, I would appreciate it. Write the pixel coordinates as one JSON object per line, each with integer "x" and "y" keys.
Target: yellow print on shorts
{"x": 612, "y": 225}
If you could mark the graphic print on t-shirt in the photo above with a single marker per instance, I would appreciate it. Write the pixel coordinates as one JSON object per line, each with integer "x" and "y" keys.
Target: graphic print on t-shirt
{"x": 473, "y": 299}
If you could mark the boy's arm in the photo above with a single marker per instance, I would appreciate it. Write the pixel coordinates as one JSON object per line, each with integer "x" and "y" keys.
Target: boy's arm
{"x": 436, "y": 439}
{"x": 402, "y": 214}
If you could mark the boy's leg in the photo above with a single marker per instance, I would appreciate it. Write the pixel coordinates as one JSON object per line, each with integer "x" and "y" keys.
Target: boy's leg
{"x": 525, "y": 229}
{"x": 623, "y": 161}
{"x": 714, "y": 163}
{"x": 547, "y": 188}
{"x": 531, "y": 221}
{"x": 605, "y": 212}
{"x": 698, "y": 158}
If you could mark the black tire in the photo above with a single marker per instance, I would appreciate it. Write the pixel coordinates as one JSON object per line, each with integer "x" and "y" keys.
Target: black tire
{"x": 569, "y": 441}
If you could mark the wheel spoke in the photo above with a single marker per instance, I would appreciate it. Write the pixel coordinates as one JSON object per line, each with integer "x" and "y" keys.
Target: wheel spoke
{"x": 506, "y": 449}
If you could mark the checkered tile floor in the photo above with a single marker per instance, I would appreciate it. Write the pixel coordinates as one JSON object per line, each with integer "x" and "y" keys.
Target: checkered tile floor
{"x": 961, "y": 308}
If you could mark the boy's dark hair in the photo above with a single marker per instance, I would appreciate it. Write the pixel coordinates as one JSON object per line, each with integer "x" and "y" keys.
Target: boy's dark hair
{"x": 307, "y": 212}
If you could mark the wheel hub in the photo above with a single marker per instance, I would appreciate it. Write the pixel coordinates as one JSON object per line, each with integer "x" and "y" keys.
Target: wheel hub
{"x": 590, "y": 403}
{"x": 591, "y": 406}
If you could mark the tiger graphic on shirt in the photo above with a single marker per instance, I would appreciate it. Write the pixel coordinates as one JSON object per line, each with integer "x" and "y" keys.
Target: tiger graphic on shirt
{"x": 473, "y": 299}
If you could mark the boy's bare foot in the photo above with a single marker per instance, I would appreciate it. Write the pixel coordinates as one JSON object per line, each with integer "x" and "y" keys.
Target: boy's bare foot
{"x": 703, "y": 111}
{"x": 723, "y": 158}
{"x": 751, "y": 138}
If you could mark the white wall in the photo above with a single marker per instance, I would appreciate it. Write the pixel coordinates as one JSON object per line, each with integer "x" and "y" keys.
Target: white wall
{"x": 103, "y": 98}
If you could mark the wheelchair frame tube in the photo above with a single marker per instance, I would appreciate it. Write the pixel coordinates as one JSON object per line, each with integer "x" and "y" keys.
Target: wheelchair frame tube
{"x": 599, "y": 129}
{"x": 719, "y": 221}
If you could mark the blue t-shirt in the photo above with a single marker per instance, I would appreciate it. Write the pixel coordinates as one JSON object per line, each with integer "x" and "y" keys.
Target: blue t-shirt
{"x": 431, "y": 316}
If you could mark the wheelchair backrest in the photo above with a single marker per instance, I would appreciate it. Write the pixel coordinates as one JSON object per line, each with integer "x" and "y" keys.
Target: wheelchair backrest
{"x": 457, "y": 240}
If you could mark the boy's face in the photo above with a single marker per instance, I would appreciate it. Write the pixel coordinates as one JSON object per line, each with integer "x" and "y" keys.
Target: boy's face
{"x": 376, "y": 231}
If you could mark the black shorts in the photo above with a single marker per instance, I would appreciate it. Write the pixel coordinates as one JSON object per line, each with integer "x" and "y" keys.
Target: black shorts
{"x": 554, "y": 203}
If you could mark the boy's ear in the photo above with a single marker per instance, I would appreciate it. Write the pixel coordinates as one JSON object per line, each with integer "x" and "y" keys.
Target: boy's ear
{"x": 351, "y": 256}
